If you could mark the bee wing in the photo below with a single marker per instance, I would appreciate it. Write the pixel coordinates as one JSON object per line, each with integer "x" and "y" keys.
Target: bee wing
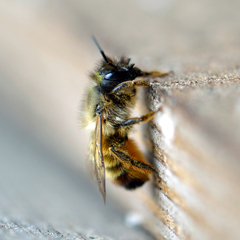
{"x": 99, "y": 161}
{"x": 96, "y": 164}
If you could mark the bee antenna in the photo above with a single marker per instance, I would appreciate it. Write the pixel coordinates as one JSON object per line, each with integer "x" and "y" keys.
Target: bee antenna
{"x": 101, "y": 51}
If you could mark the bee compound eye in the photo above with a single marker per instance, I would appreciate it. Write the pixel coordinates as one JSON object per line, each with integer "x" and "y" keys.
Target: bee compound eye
{"x": 117, "y": 76}
{"x": 108, "y": 76}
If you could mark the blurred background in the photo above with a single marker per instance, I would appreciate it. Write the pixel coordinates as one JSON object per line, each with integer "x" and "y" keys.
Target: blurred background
{"x": 46, "y": 54}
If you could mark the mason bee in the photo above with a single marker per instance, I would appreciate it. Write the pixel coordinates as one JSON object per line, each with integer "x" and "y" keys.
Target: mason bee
{"x": 107, "y": 114}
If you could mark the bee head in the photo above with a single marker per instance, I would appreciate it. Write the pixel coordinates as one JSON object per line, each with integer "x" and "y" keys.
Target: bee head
{"x": 111, "y": 73}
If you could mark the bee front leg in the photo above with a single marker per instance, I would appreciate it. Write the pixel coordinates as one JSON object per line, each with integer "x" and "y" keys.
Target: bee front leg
{"x": 144, "y": 118}
{"x": 156, "y": 74}
{"x": 122, "y": 87}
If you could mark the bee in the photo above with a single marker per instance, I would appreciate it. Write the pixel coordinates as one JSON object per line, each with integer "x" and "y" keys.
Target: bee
{"x": 107, "y": 114}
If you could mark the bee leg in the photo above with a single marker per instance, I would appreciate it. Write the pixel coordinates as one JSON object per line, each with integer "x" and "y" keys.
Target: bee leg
{"x": 122, "y": 87}
{"x": 157, "y": 74}
{"x": 144, "y": 118}
{"x": 124, "y": 157}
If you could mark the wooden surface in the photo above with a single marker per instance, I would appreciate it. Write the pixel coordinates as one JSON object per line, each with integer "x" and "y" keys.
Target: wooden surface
{"x": 46, "y": 53}
{"x": 196, "y": 148}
